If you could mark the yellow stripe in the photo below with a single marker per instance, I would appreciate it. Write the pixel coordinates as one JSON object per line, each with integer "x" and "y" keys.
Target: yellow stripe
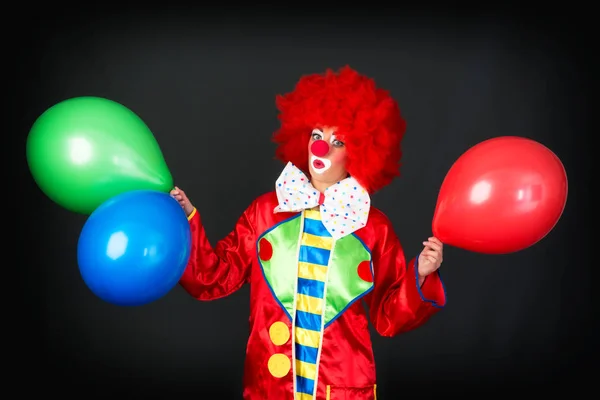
{"x": 312, "y": 271}
{"x": 192, "y": 214}
{"x": 312, "y": 214}
{"x": 328, "y": 396}
{"x": 309, "y": 304}
{"x": 303, "y": 396}
{"x": 307, "y": 337}
{"x": 320, "y": 242}
{"x": 306, "y": 370}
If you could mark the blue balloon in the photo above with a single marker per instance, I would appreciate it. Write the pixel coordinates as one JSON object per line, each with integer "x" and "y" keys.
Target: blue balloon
{"x": 134, "y": 247}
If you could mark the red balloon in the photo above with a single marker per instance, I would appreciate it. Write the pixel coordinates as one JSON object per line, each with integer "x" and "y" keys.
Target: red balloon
{"x": 501, "y": 196}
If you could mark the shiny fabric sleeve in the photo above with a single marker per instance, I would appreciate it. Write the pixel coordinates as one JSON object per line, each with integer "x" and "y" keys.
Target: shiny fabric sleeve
{"x": 215, "y": 272}
{"x": 397, "y": 304}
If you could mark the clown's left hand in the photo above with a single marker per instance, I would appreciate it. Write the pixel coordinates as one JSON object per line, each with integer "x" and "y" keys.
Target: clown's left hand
{"x": 431, "y": 257}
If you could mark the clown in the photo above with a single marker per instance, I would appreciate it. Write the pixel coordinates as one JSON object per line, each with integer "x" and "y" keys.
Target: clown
{"x": 314, "y": 250}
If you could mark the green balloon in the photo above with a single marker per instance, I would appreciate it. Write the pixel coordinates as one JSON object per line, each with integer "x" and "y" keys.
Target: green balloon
{"x": 85, "y": 150}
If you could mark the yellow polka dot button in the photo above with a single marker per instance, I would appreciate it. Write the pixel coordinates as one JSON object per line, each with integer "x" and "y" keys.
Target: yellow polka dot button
{"x": 279, "y": 365}
{"x": 279, "y": 333}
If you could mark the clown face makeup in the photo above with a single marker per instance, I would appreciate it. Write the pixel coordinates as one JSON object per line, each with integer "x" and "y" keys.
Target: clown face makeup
{"x": 326, "y": 158}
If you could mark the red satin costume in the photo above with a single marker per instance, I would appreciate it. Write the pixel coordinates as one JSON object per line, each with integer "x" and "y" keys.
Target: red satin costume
{"x": 347, "y": 367}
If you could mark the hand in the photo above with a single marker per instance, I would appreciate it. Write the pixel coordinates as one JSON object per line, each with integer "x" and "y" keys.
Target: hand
{"x": 431, "y": 257}
{"x": 183, "y": 200}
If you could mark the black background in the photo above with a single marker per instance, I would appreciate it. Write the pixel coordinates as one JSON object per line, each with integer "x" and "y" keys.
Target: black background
{"x": 204, "y": 80}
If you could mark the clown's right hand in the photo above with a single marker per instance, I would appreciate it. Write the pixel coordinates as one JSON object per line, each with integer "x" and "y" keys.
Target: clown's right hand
{"x": 183, "y": 200}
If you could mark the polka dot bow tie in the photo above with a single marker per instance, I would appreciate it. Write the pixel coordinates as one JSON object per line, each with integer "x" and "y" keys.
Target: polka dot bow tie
{"x": 344, "y": 206}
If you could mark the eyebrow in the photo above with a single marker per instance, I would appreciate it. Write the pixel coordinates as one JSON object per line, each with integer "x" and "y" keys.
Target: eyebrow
{"x": 334, "y": 137}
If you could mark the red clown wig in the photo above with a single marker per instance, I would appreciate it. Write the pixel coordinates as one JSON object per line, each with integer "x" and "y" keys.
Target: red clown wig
{"x": 367, "y": 119}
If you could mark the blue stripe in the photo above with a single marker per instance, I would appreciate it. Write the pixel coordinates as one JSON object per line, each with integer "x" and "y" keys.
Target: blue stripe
{"x": 306, "y": 354}
{"x": 314, "y": 255}
{"x": 304, "y": 385}
{"x": 307, "y": 320}
{"x": 311, "y": 287}
{"x": 315, "y": 227}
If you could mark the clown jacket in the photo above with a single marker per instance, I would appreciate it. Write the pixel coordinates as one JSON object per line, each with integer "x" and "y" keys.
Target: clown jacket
{"x": 309, "y": 336}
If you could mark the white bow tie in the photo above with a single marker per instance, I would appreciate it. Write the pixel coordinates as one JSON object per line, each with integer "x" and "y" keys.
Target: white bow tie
{"x": 344, "y": 206}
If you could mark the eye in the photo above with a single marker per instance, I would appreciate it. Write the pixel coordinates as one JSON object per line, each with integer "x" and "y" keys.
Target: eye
{"x": 337, "y": 143}
{"x": 316, "y": 136}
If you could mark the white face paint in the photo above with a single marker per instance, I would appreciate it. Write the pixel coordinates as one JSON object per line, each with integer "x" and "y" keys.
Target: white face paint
{"x": 317, "y": 134}
{"x": 326, "y": 164}
{"x": 328, "y": 168}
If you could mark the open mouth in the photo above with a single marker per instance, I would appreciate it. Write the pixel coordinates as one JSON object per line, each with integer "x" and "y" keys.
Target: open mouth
{"x": 318, "y": 164}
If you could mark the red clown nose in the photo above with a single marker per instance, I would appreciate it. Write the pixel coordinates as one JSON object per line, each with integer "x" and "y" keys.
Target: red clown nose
{"x": 320, "y": 148}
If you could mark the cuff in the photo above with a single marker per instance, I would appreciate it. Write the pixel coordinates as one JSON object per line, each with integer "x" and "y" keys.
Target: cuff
{"x": 433, "y": 290}
{"x": 192, "y": 214}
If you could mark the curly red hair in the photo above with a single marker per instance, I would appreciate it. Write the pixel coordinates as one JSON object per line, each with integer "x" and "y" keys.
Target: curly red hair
{"x": 367, "y": 119}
